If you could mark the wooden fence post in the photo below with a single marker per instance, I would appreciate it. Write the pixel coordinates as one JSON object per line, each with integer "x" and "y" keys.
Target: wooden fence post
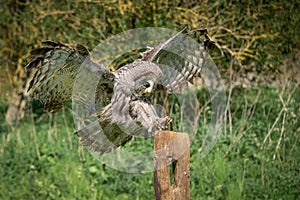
{"x": 171, "y": 148}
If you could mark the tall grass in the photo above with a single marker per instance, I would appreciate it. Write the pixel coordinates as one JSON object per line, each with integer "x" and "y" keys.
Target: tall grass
{"x": 257, "y": 156}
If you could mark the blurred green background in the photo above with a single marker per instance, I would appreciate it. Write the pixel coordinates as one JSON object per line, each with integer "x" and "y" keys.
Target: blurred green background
{"x": 256, "y": 50}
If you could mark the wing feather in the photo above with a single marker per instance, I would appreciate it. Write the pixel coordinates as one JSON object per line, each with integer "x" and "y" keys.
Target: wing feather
{"x": 56, "y": 66}
{"x": 182, "y": 59}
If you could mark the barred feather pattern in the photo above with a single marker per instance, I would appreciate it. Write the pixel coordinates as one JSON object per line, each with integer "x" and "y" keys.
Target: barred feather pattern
{"x": 184, "y": 61}
{"x": 173, "y": 64}
{"x": 55, "y": 69}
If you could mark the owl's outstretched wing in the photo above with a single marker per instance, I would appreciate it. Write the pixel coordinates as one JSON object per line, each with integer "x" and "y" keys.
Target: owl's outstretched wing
{"x": 62, "y": 72}
{"x": 183, "y": 60}
{"x": 56, "y": 66}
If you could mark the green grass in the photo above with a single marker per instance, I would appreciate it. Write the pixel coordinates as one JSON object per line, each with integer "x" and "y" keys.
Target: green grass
{"x": 40, "y": 158}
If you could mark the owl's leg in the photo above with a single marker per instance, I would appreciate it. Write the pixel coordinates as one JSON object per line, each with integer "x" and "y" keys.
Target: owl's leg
{"x": 144, "y": 113}
{"x": 162, "y": 123}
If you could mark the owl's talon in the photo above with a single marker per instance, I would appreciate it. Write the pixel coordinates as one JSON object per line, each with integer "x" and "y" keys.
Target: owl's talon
{"x": 168, "y": 119}
{"x": 162, "y": 123}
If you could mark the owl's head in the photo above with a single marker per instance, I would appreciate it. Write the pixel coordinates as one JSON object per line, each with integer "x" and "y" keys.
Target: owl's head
{"x": 139, "y": 77}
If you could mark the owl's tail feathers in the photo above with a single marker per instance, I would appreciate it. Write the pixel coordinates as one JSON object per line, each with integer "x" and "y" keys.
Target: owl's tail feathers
{"x": 102, "y": 139}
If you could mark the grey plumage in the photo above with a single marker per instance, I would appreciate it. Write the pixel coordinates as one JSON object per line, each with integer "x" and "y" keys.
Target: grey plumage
{"x": 128, "y": 108}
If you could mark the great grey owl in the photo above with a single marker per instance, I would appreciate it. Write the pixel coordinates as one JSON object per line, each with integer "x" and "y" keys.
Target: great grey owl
{"x": 128, "y": 88}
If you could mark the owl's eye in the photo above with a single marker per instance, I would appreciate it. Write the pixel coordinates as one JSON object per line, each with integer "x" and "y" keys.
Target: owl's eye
{"x": 147, "y": 84}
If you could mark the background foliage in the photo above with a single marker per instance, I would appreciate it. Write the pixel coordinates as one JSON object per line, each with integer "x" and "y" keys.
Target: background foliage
{"x": 256, "y": 50}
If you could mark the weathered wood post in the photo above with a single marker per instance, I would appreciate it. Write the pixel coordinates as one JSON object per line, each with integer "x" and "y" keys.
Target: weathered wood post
{"x": 171, "y": 148}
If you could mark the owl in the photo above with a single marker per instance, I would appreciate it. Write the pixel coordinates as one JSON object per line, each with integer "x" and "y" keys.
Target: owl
{"x": 122, "y": 103}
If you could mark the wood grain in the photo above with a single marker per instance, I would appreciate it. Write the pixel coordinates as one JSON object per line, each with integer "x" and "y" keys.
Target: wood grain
{"x": 171, "y": 148}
